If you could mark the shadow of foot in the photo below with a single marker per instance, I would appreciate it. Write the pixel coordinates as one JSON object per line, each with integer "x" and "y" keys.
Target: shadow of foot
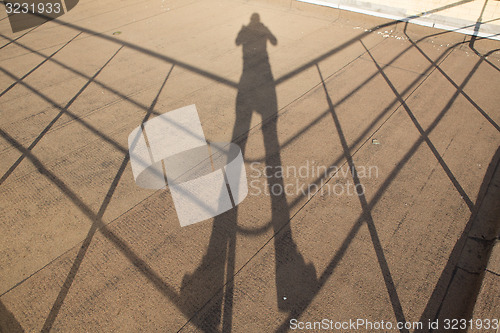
{"x": 295, "y": 279}
{"x": 197, "y": 289}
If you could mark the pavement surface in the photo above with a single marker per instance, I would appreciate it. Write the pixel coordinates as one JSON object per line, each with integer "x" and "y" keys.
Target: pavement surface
{"x": 472, "y": 17}
{"x": 407, "y": 237}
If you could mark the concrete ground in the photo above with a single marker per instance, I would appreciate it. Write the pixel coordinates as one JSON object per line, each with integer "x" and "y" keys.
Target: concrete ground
{"x": 415, "y": 111}
{"x": 472, "y": 17}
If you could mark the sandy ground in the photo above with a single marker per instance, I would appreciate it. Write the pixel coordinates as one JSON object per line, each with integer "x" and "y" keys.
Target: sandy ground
{"x": 415, "y": 111}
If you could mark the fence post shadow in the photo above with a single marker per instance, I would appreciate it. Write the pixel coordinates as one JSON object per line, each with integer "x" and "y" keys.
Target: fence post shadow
{"x": 455, "y": 293}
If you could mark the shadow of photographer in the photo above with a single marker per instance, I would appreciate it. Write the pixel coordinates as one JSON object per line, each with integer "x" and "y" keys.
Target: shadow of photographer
{"x": 207, "y": 293}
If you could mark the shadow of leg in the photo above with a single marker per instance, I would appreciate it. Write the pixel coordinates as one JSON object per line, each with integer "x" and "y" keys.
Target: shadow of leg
{"x": 206, "y": 282}
{"x": 296, "y": 281}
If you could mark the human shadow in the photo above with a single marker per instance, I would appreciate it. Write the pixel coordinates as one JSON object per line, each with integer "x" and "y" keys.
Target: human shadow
{"x": 211, "y": 284}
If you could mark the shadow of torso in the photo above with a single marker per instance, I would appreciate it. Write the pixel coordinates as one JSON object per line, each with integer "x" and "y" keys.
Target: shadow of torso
{"x": 256, "y": 90}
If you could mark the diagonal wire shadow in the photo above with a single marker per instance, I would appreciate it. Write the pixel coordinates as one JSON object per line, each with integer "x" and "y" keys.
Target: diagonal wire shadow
{"x": 62, "y": 111}
{"x": 436, "y": 308}
{"x": 323, "y": 278}
{"x": 10, "y": 141}
{"x": 10, "y": 41}
{"x": 120, "y": 244}
{"x": 477, "y": 25}
{"x": 378, "y": 195}
{"x": 384, "y": 267}
{"x": 88, "y": 239}
{"x": 485, "y": 59}
{"x": 462, "y": 92}
{"x": 429, "y": 143}
{"x": 90, "y": 127}
{"x": 194, "y": 69}
{"x": 85, "y": 76}
{"x": 474, "y": 36}
{"x": 47, "y": 58}
{"x": 472, "y": 46}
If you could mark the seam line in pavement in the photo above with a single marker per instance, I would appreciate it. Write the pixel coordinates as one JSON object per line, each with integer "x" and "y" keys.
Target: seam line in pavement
{"x": 491, "y": 272}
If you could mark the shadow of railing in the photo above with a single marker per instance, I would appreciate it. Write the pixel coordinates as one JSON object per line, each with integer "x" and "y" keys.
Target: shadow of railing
{"x": 378, "y": 194}
{"x": 347, "y": 154}
{"x": 95, "y": 225}
{"x": 455, "y": 293}
{"x": 366, "y": 212}
{"x": 62, "y": 110}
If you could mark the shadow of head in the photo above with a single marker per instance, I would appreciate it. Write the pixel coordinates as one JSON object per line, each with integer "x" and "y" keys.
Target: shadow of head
{"x": 253, "y": 37}
{"x": 255, "y": 18}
